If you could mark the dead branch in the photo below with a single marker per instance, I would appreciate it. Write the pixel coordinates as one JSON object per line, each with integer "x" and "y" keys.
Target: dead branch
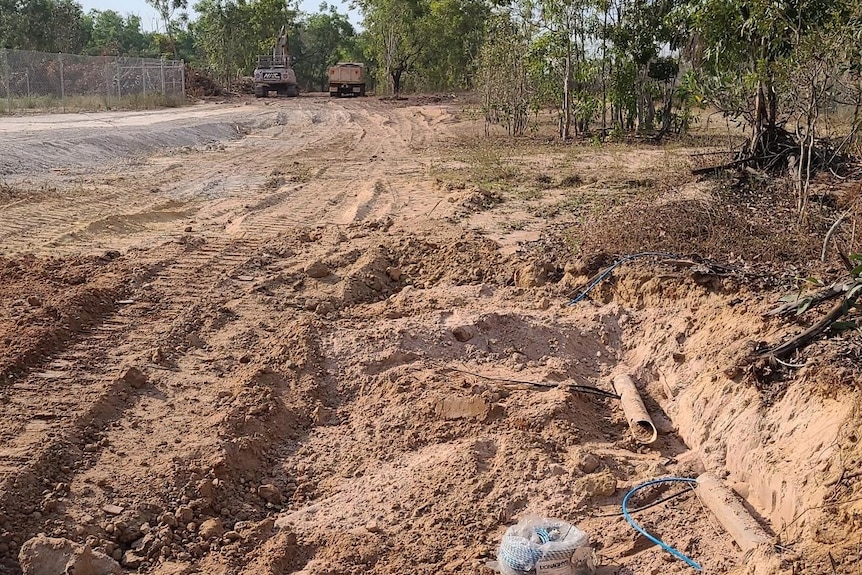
{"x": 822, "y": 295}
{"x": 809, "y": 334}
{"x": 844, "y": 259}
{"x": 829, "y": 235}
{"x": 719, "y": 168}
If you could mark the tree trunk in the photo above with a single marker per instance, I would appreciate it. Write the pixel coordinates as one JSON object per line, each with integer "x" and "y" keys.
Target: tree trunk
{"x": 604, "y": 73}
{"x": 396, "y": 80}
{"x": 565, "y": 131}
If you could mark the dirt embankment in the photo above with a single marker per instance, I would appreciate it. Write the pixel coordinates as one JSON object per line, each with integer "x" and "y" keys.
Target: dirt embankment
{"x": 294, "y": 353}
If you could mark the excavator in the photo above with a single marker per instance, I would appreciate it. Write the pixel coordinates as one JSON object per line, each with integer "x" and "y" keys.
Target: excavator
{"x": 274, "y": 73}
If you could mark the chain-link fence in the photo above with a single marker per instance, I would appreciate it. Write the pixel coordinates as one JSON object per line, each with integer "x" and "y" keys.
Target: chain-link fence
{"x": 41, "y": 80}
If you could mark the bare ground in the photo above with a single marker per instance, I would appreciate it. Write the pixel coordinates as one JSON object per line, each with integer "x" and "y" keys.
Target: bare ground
{"x": 258, "y": 339}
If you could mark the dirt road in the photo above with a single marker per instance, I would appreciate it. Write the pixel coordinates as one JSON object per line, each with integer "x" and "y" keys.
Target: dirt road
{"x": 257, "y": 338}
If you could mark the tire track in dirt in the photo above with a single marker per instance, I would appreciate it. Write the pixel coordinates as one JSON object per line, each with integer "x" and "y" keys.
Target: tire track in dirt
{"x": 81, "y": 388}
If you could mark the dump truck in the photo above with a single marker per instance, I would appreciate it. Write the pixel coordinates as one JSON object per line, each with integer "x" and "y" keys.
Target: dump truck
{"x": 347, "y": 79}
{"x": 274, "y": 73}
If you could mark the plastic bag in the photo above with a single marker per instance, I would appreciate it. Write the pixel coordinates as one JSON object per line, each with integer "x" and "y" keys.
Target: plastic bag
{"x": 540, "y": 546}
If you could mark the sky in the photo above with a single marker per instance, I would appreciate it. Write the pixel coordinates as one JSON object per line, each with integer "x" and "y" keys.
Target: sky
{"x": 150, "y": 20}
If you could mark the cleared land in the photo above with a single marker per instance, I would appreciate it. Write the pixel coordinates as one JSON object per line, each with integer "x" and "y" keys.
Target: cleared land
{"x": 257, "y": 338}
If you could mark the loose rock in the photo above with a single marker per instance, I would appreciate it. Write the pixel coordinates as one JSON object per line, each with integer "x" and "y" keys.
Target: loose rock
{"x": 184, "y": 514}
{"x": 317, "y": 270}
{"x": 598, "y": 485}
{"x": 588, "y": 463}
{"x": 211, "y": 528}
{"x": 462, "y": 333}
{"x": 270, "y": 493}
{"x": 43, "y": 555}
{"x": 134, "y": 377}
{"x": 112, "y": 509}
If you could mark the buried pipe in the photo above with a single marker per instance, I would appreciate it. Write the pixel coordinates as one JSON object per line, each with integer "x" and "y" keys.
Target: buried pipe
{"x": 728, "y": 509}
{"x": 640, "y": 423}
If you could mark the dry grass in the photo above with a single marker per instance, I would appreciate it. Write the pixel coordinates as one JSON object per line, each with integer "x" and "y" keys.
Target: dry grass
{"x": 94, "y": 103}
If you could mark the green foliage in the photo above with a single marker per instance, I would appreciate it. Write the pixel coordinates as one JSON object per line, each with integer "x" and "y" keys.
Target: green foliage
{"x": 43, "y": 25}
{"x": 325, "y": 39}
{"x": 231, "y": 34}
{"x": 430, "y": 44}
{"x": 112, "y": 34}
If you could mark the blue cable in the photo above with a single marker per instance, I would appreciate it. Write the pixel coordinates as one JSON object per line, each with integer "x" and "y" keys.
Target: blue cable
{"x": 643, "y": 532}
{"x": 593, "y": 284}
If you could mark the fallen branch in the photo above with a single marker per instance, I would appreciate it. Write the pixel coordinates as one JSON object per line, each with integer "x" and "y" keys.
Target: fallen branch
{"x": 829, "y": 235}
{"x": 809, "y": 334}
{"x": 721, "y": 167}
{"x": 822, "y": 295}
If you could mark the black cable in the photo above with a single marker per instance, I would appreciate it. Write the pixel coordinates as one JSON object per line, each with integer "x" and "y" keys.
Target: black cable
{"x": 648, "y": 506}
{"x": 576, "y": 388}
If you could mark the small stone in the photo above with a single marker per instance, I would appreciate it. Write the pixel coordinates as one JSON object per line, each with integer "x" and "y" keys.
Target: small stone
{"x": 679, "y": 357}
{"x": 588, "y": 463}
{"x": 211, "y": 528}
{"x": 372, "y": 527}
{"x": 320, "y": 415}
{"x": 168, "y": 519}
{"x": 192, "y": 527}
{"x": 270, "y": 493}
{"x": 394, "y": 274}
{"x": 324, "y": 308}
{"x": 232, "y": 536}
{"x": 112, "y": 509}
{"x": 205, "y": 488}
{"x": 462, "y": 333}
{"x": 143, "y": 544}
{"x": 184, "y": 514}
{"x": 188, "y": 229}
{"x": 544, "y": 303}
{"x": 555, "y": 469}
{"x": 117, "y": 554}
{"x": 134, "y": 377}
{"x": 245, "y": 359}
{"x": 34, "y": 301}
{"x": 317, "y": 270}
{"x": 599, "y": 485}
{"x": 132, "y": 560}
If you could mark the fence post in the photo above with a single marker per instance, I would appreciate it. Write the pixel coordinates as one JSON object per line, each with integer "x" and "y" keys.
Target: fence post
{"x": 144, "y": 76}
{"x": 6, "y": 75}
{"x": 62, "y": 84}
{"x": 119, "y": 82}
{"x": 182, "y": 80}
{"x": 107, "y": 85}
{"x": 162, "y": 68}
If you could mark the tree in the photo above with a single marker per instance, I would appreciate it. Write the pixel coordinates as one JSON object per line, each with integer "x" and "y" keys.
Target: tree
{"x": 43, "y": 25}
{"x": 503, "y": 74}
{"x": 115, "y": 35}
{"x": 232, "y": 33}
{"x": 167, "y": 9}
{"x": 324, "y": 39}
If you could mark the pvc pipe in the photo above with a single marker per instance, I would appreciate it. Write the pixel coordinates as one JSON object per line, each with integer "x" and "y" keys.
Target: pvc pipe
{"x": 640, "y": 423}
{"x": 730, "y": 512}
